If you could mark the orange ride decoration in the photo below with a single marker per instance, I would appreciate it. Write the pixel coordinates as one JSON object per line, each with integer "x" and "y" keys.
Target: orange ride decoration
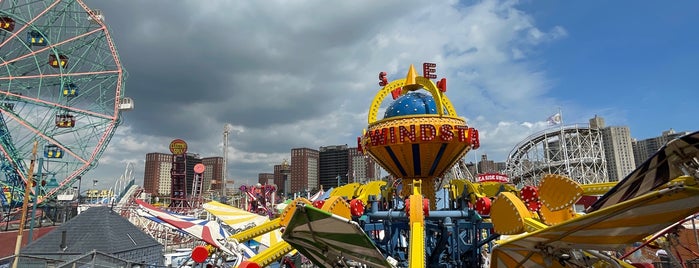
{"x": 420, "y": 136}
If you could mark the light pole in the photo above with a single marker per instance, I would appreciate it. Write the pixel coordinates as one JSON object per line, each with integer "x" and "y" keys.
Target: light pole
{"x": 226, "y": 129}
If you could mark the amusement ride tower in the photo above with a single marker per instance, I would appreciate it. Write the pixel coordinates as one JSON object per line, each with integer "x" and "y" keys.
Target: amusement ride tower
{"x": 420, "y": 136}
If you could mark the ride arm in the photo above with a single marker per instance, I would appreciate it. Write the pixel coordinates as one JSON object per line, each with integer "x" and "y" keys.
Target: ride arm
{"x": 268, "y": 256}
{"x": 256, "y": 231}
{"x": 597, "y": 188}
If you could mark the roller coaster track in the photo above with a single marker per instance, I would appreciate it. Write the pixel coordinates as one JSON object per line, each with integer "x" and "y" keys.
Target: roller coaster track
{"x": 575, "y": 150}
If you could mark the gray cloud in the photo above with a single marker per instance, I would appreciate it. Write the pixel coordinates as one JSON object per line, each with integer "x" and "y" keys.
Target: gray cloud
{"x": 303, "y": 74}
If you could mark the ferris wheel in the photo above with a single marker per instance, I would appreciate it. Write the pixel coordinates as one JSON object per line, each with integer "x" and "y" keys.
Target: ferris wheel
{"x": 61, "y": 88}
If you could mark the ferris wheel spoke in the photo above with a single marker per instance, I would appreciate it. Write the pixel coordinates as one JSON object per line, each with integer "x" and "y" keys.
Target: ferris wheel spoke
{"x": 44, "y": 136}
{"x": 40, "y": 102}
{"x": 60, "y": 75}
{"x": 14, "y": 35}
{"x": 49, "y": 47}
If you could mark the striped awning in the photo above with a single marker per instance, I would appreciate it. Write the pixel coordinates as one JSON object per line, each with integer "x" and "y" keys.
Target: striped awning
{"x": 327, "y": 239}
{"x": 240, "y": 220}
{"x": 666, "y": 164}
{"x": 610, "y": 228}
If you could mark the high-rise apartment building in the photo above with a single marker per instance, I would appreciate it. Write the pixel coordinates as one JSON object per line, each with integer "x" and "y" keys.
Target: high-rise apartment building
{"x": 483, "y": 166}
{"x": 156, "y": 177}
{"x": 265, "y": 178}
{"x": 643, "y": 149}
{"x": 362, "y": 168}
{"x": 618, "y": 148}
{"x": 487, "y": 166}
{"x": 213, "y": 174}
{"x": 333, "y": 165}
{"x": 282, "y": 178}
{"x": 304, "y": 170}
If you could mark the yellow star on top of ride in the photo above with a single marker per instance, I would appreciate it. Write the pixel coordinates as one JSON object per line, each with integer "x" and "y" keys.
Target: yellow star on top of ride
{"x": 420, "y": 136}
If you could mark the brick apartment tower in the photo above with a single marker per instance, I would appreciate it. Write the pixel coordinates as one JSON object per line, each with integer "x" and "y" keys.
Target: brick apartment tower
{"x": 265, "y": 178}
{"x": 304, "y": 170}
{"x": 156, "y": 177}
{"x": 213, "y": 174}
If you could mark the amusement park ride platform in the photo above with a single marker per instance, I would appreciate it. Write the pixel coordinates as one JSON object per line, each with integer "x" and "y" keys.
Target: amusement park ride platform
{"x": 484, "y": 223}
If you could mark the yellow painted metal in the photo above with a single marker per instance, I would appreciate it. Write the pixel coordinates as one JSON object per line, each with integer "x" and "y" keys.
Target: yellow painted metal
{"x": 416, "y": 255}
{"x": 338, "y": 206}
{"x": 429, "y": 149}
{"x": 441, "y": 100}
{"x": 271, "y": 254}
{"x": 598, "y": 188}
{"x": 558, "y": 192}
{"x": 472, "y": 192}
{"x": 508, "y": 214}
{"x": 257, "y": 230}
{"x": 380, "y": 96}
{"x": 552, "y": 217}
{"x": 685, "y": 180}
{"x": 410, "y": 83}
{"x": 347, "y": 190}
{"x": 604, "y": 229}
{"x": 476, "y": 190}
{"x": 532, "y": 225}
{"x": 288, "y": 212}
{"x": 456, "y": 188}
{"x": 368, "y": 189}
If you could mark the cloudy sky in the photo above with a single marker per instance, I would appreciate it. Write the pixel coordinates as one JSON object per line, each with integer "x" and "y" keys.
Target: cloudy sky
{"x": 291, "y": 74}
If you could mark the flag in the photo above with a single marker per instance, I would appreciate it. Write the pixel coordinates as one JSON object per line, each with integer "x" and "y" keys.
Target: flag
{"x": 554, "y": 119}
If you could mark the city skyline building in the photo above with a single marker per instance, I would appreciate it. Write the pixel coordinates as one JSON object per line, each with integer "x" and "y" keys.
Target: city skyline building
{"x": 486, "y": 166}
{"x": 265, "y": 178}
{"x": 304, "y": 170}
{"x": 310, "y": 168}
{"x": 213, "y": 174}
{"x": 157, "y": 179}
{"x": 618, "y": 148}
{"x": 333, "y": 165}
{"x": 282, "y": 177}
{"x": 362, "y": 167}
{"x": 643, "y": 149}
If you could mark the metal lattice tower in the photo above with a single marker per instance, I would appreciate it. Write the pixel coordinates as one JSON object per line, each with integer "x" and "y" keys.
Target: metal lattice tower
{"x": 226, "y": 130}
{"x": 575, "y": 151}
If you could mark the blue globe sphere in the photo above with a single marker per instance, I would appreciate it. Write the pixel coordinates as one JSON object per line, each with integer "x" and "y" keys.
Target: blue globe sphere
{"x": 412, "y": 103}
